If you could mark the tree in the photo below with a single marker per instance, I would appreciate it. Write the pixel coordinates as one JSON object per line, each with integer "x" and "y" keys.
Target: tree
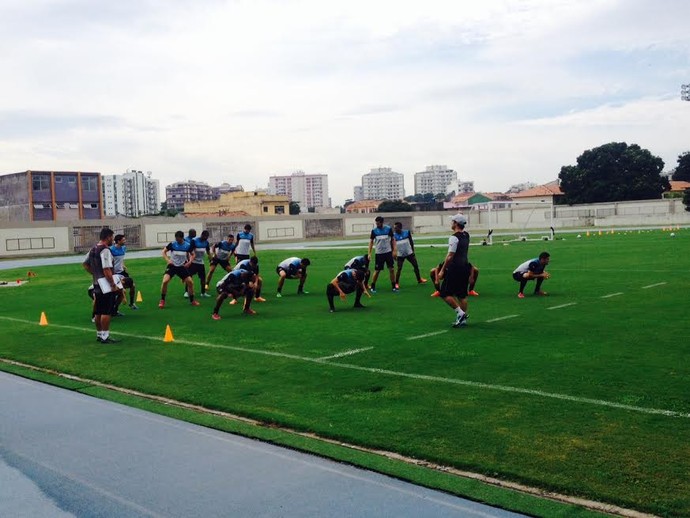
{"x": 294, "y": 208}
{"x": 682, "y": 172}
{"x": 686, "y": 199}
{"x": 613, "y": 172}
{"x": 394, "y": 206}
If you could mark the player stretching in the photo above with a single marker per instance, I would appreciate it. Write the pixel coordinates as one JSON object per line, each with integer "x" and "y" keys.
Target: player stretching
{"x": 252, "y": 265}
{"x": 236, "y": 283}
{"x": 119, "y": 249}
{"x": 361, "y": 263}
{"x": 179, "y": 254}
{"x": 198, "y": 267}
{"x": 405, "y": 247}
{"x": 347, "y": 281}
{"x": 532, "y": 270}
{"x": 293, "y": 268}
{"x": 221, "y": 252}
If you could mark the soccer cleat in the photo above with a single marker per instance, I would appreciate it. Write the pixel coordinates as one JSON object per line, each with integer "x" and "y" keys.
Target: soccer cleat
{"x": 396, "y": 290}
{"x": 161, "y": 304}
{"x": 521, "y": 295}
{"x": 460, "y": 321}
{"x": 372, "y": 290}
{"x": 279, "y": 295}
{"x": 260, "y": 299}
{"x": 302, "y": 292}
{"x": 249, "y": 312}
{"x": 215, "y": 316}
{"x": 422, "y": 281}
{"x": 436, "y": 294}
{"x": 133, "y": 306}
{"x": 331, "y": 310}
{"x": 186, "y": 295}
{"x": 541, "y": 294}
{"x": 194, "y": 303}
{"x": 473, "y": 293}
{"x": 206, "y": 295}
{"x": 118, "y": 314}
{"x": 108, "y": 341}
{"x": 233, "y": 302}
{"x": 359, "y": 306}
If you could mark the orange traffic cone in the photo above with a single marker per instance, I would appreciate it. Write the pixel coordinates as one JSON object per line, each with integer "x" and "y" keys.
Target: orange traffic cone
{"x": 168, "y": 334}
{"x": 44, "y": 320}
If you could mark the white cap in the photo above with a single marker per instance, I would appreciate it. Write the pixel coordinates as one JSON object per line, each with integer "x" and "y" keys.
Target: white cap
{"x": 460, "y": 219}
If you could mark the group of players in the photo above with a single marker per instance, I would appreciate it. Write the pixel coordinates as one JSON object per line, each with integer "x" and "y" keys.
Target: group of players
{"x": 454, "y": 278}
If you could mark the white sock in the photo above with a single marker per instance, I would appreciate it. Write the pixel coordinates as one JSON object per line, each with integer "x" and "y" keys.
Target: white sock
{"x": 459, "y": 311}
{"x": 106, "y": 334}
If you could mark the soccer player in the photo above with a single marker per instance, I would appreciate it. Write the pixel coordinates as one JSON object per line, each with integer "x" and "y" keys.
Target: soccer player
{"x": 360, "y": 262}
{"x": 454, "y": 273}
{"x": 347, "y": 281}
{"x": 179, "y": 254}
{"x": 382, "y": 242}
{"x": 474, "y": 275}
{"x": 293, "y": 268}
{"x": 245, "y": 243}
{"x": 405, "y": 248}
{"x": 252, "y": 265}
{"x": 221, "y": 252}
{"x": 532, "y": 270}
{"x": 198, "y": 267}
{"x": 119, "y": 249}
{"x": 99, "y": 263}
{"x": 236, "y": 283}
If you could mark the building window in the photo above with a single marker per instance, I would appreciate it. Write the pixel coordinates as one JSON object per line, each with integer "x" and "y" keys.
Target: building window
{"x": 265, "y": 209}
{"x": 89, "y": 183}
{"x": 40, "y": 182}
{"x": 280, "y": 209}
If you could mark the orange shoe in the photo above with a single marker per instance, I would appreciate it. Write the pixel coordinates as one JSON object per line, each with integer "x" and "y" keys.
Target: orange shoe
{"x": 260, "y": 299}
{"x": 436, "y": 294}
{"x": 249, "y": 312}
{"x": 473, "y": 293}
{"x": 541, "y": 294}
{"x": 194, "y": 303}
{"x": 233, "y": 302}
{"x": 422, "y": 281}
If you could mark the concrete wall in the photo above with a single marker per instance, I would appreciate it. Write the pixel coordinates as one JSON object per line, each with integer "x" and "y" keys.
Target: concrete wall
{"x": 24, "y": 239}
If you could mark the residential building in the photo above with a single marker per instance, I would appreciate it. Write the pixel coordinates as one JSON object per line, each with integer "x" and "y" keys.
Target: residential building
{"x": 434, "y": 179}
{"x": 547, "y": 193}
{"x": 50, "y": 196}
{"x": 309, "y": 190}
{"x": 459, "y": 187}
{"x": 132, "y": 194}
{"x": 251, "y": 203}
{"x": 177, "y": 194}
{"x": 226, "y": 187}
{"x": 382, "y": 183}
{"x": 678, "y": 188}
{"x": 363, "y": 207}
{"x": 358, "y": 193}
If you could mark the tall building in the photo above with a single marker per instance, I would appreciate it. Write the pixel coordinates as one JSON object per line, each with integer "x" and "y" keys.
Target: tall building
{"x": 178, "y": 193}
{"x": 382, "y": 183}
{"x": 50, "y": 196}
{"x": 434, "y": 179}
{"x": 358, "y": 193}
{"x": 132, "y": 194}
{"x": 309, "y": 190}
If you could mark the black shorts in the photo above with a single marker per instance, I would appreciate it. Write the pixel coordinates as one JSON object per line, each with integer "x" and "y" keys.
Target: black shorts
{"x": 240, "y": 257}
{"x": 382, "y": 259}
{"x": 288, "y": 274}
{"x": 410, "y": 258}
{"x": 180, "y": 271}
{"x": 197, "y": 269}
{"x": 234, "y": 291}
{"x": 105, "y": 303}
{"x": 224, "y": 263}
{"x": 518, "y": 276}
{"x": 455, "y": 282}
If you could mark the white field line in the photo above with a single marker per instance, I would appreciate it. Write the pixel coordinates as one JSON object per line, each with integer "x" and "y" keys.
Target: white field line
{"x": 502, "y": 318}
{"x": 611, "y": 295}
{"x": 427, "y": 335}
{"x": 653, "y": 285}
{"x": 563, "y": 305}
{"x": 346, "y": 353}
{"x": 408, "y": 375}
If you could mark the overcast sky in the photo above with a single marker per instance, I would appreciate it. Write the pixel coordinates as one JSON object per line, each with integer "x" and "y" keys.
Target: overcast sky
{"x": 503, "y": 91}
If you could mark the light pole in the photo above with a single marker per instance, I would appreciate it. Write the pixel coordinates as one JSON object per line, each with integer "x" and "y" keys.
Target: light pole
{"x": 685, "y": 92}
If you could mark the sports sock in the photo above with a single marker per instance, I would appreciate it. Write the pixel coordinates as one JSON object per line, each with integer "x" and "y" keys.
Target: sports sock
{"x": 163, "y": 296}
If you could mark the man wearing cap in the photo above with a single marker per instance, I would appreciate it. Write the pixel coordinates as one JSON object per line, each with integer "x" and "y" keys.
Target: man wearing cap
{"x": 382, "y": 242}
{"x": 454, "y": 275}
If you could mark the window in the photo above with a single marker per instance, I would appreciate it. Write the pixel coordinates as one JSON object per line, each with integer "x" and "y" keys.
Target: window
{"x": 89, "y": 183}
{"x": 40, "y": 182}
{"x": 71, "y": 179}
{"x": 58, "y": 179}
{"x": 265, "y": 209}
{"x": 34, "y": 243}
{"x": 280, "y": 209}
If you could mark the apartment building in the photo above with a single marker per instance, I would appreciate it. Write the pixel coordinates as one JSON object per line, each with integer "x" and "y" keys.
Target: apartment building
{"x": 309, "y": 190}
{"x": 382, "y": 183}
{"x": 178, "y": 193}
{"x": 132, "y": 194}
{"x": 434, "y": 179}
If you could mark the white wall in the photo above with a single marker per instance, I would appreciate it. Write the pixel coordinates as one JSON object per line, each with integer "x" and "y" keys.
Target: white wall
{"x": 34, "y": 241}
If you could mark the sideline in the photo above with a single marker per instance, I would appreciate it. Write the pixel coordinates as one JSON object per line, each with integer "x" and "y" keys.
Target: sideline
{"x": 398, "y": 374}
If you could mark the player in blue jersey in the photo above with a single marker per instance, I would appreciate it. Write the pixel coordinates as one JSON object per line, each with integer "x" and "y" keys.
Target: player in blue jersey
{"x": 237, "y": 283}
{"x": 190, "y": 235}
{"x": 360, "y": 262}
{"x": 119, "y": 249}
{"x": 532, "y": 270}
{"x": 245, "y": 244}
{"x": 454, "y": 274}
{"x": 293, "y": 268}
{"x": 221, "y": 253}
{"x": 252, "y": 265}
{"x": 382, "y": 242}
{"x": 178, "y": 254}
{"x": 202, "y": 248}
{"x": 405, "y": 248}
{"x": 347, "y": 281}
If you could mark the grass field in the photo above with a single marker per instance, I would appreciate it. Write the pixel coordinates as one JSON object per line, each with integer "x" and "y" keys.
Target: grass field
{"x": 585, "y": 392}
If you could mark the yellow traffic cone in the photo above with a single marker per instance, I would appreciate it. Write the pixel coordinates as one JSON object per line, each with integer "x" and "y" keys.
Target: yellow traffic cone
{"x": 588, "y": 233}
{"x": 168, "y": 334}
{"x": 139, "y": 298}
{"x": 44, "y": 320}
{"x": 600, "y": 232}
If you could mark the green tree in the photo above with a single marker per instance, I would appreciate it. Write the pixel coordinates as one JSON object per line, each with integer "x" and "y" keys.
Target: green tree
{"x": 682, "y": 172}
{"x": 294, "y": 208}
{"x": 686, "y": 199}
{"x": 613, "y": 172}
{"x": 394, "y": 206}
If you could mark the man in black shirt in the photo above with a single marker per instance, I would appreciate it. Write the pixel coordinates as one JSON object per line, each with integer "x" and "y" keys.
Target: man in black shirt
{"x": 455, "y": 271}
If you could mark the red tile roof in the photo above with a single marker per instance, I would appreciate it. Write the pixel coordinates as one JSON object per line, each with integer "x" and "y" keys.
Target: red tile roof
{"x": 548, "y": 189}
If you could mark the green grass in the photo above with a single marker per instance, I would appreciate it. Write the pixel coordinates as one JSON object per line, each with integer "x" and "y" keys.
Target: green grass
{"x": 460, "y": 398}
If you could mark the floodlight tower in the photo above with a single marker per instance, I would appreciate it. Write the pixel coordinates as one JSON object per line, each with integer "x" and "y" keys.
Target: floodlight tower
{"x": 685, "y": 92}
